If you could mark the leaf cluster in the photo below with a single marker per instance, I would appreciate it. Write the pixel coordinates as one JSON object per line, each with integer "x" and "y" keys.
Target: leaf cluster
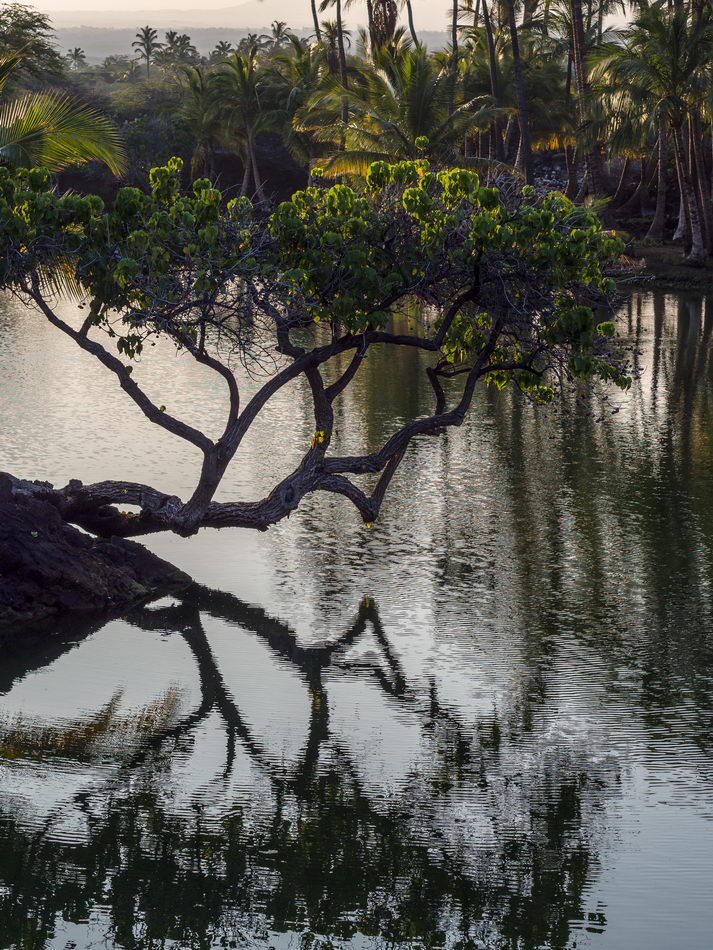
{"x": 528, "y": 274}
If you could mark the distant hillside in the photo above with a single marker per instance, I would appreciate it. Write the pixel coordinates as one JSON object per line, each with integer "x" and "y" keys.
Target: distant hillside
{"x": 166, "y": 14}
{"x": 241, "y": 15}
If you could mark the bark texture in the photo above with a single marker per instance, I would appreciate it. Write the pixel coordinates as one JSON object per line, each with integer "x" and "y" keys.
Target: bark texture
{"x": 48, "y": 567}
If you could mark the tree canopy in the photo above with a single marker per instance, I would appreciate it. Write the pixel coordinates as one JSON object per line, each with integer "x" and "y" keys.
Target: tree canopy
{"x": 504, "y": 291}
{"x": 26, "y": 30}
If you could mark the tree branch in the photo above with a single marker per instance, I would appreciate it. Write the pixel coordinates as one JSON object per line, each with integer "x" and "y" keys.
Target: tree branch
{"x": 149, "y": 409}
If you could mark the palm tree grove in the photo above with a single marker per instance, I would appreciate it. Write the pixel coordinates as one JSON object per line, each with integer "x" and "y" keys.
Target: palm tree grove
{"x": 356, "y": 514}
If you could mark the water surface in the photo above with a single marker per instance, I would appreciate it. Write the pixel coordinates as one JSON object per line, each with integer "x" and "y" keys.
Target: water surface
{"x": 484, "y": 723}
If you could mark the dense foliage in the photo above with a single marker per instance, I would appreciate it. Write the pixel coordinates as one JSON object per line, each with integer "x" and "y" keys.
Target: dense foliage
{"x": 621, "y": 115}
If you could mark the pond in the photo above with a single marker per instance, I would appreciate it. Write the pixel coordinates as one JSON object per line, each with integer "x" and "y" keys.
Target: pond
{"x": 484, "y": 723}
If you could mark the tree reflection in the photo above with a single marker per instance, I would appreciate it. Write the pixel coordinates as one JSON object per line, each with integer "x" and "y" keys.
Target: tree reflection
{"x": 581, "y": 547}
{"x": 324, "y": 857}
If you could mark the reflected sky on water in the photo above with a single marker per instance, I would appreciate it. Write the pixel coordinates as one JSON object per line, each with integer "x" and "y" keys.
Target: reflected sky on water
{"x": 486, "y": 722}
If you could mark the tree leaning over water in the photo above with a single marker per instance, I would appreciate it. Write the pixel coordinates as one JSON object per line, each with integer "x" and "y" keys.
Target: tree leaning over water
{"x": 508, "y": 291}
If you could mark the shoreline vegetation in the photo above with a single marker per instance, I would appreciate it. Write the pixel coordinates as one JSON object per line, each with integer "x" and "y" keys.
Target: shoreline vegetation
{"x": 557, "y": 93}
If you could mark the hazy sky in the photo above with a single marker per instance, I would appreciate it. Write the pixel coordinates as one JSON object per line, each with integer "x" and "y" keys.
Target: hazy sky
{"x": 429, "y": 14}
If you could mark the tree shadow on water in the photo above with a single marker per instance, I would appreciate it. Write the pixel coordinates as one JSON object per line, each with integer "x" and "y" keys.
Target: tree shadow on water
{"x": 318, "y": 856}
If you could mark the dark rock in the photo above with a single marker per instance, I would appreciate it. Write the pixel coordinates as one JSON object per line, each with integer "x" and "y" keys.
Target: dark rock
{"x": 48, "y": 567}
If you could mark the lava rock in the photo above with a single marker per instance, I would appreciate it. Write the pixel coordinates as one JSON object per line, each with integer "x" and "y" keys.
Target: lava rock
{"x": 49, "y": 567}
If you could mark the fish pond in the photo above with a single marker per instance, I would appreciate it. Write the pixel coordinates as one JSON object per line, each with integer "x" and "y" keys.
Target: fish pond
{"x": 484, "y": 723}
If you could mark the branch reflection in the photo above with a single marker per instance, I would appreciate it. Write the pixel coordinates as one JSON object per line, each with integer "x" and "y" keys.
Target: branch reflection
{"x": 459, "y": 855}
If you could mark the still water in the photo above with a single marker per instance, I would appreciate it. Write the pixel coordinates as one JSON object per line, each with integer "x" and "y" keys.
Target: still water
{"x": 485, "y": 723}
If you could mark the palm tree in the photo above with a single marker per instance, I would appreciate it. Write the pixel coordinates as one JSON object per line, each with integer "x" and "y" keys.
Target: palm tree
{"x": 178, "y": 50}
{"x": 257, "y": 41}
{"x": 222, "y": 50}
{"x": 398, "y": 109}
{"x": 330, "y": 44}
{"x": 53, "y": 130}
{"x": 147, "y": 45}
{"x": 339, "y": 37}
{"x": 203, "y": 114}
{"x": 77, "y": 58}
{"x": 295, "y": 76}
{"x": 280, "y": 35}
{"x": 493, "y": 74}
{"x": 660, "y": 75}
{"x": 239, "y": 87}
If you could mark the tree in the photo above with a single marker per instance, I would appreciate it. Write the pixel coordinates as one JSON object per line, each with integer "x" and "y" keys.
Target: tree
{"x": 279, "y": 34}
{"x": 525, "y": 149}
{"x": 203, "y": 114}
{"x": 239, "y": 88}
{"x": 77, "y": 58}
{"x": 222, "y": 50}
{"x": 53, "y": 129}
{"x": 118, "y": 65}
{"x": 659, "y": 75}
{"x": 147, "y": 45}
{"x": 329, "y": 44}
{"x": 23, "y": 29}
{"x": 178, "y": 50}
{"x": 510, "y": 289}
{"x": 579, "y": 50}
{"x": 295, "y": 76}
{"x": 254, "y": 41}
{"x": 398, "y": 108}
{"x": 339, "y": 35}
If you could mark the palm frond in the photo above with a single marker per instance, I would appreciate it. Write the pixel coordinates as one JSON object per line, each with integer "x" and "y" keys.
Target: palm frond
{"x": 53, "y": 130}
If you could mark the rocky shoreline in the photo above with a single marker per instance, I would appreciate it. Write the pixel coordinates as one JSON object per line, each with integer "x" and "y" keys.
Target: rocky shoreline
{"x": 49, "y": 568}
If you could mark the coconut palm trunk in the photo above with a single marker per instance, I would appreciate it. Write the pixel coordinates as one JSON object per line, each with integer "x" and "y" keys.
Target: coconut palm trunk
{"x": 411, "y": 26}
{"x": 493, "y": 72}
{"x": 570, "y": 158}
{"x": 454, "y": 57}
{"x": 591, "y": 159}
{"x": 700, "y": 178}
{"x": 658, "y": 223}
{"x": 247, "y": 170}
{"x": 257, "y": 178}
{"x": 342, "y": 60}
{"x": 315, "y": 20}
{"x": 623, "y": 181}
{"x": 370, "y": 23}
{"x": 697, "y": 253}
{"x": 524, "y": 153}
